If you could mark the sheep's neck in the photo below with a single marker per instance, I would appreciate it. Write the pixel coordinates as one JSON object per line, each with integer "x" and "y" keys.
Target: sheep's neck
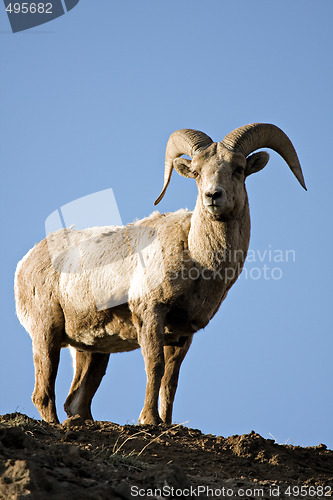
{"x": 214, "y": 244}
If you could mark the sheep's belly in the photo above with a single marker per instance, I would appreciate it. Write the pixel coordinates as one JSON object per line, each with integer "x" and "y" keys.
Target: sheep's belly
{"x": 111, "y": 333}
{"x": 100, "y": 341}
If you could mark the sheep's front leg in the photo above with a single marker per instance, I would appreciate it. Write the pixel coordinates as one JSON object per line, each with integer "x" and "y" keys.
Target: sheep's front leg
{"x": 150, "y": 336}
{"x": 89, "y": 368}
{"x": 174, "y": 357}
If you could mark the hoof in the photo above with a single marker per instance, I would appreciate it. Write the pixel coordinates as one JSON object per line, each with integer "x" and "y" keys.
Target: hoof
{"x": 149, "y": 419}
{"x": 74, "y": 421}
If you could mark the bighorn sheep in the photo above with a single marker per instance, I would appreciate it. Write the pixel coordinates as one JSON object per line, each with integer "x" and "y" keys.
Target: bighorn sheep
{"x": 197, "y": 251}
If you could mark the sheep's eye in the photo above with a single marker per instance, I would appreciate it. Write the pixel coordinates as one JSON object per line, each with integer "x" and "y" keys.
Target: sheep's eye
{"x": 239, "y": 170}
{"x": 195, "y": 174}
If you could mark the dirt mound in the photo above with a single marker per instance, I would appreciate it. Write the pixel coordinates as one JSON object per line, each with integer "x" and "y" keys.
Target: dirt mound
{"x": 102, "y": 460}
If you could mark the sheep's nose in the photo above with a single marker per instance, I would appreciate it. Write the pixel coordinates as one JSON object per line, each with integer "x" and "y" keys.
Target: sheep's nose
{"x": 214, "y": 194}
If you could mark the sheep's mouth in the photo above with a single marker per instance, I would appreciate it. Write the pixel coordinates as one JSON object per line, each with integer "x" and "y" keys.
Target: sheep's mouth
{"x": 218, "y": 212}
{"x": 214, "y": 209}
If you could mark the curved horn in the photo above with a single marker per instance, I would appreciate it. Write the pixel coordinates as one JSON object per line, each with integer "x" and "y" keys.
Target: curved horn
{"x": 248, "y": 138}
{"x": 182, "y": 142}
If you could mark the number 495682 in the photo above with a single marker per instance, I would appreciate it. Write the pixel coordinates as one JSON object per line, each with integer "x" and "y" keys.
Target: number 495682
{"x": 29, "y": 8}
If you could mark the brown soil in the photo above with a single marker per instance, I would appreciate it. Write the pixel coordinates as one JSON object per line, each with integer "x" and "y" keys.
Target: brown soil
{"x": 102, "y": 460}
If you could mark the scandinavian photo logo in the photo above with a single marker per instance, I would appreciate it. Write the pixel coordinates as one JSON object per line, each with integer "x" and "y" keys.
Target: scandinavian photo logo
{"x": 112, "y": 263}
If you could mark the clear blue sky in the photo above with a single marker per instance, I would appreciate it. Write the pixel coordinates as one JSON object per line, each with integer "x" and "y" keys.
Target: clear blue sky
{"x": 88, "y": 102}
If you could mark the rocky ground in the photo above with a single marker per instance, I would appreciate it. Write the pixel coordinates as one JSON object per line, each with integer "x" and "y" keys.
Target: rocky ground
{"x": 102, "y": 460}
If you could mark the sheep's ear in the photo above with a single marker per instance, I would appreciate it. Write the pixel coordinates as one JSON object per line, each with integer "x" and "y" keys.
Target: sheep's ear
{"x": 183, "y": 167}
{"x": 256, "y": 162}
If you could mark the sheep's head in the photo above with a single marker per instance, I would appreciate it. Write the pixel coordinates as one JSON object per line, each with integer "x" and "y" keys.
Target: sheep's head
{"x": 220, "y": 169}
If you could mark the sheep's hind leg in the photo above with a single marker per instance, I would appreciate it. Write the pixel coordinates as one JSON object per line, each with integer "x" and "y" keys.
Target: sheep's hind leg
{"x": 46, "y": 354}
{"x": 150, "y": 336}
{"x": 89, "y": 371}
{"x": 174, "y": 357}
